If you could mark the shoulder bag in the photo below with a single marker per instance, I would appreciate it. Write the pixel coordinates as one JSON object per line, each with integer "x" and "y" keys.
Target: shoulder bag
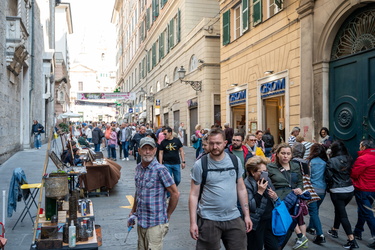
{"x": 307, "y": 186}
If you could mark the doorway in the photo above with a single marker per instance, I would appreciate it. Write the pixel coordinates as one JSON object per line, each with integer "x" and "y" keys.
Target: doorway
{"x": 274, "y": 118}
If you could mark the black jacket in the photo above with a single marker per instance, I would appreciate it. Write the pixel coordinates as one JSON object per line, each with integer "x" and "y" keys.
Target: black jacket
{"x": 260, "y": 205}
{"x": 268, "y": 140}
{"x": 97, "y": 135}
{"x": 338, "y": 172}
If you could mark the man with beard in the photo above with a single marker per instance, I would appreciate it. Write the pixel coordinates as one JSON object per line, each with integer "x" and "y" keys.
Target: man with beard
{"x": 216, "y": 211}
{"x": 239, "y": 150}
{"x": 152, "y": 182}
{"x": 135, "y": 141}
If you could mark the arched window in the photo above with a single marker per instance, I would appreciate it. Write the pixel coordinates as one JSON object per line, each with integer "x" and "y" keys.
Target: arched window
{"x": 157, "y": 87}
{"x": 193, "y": 63}
{"x": 166, "y": 81}
{"x": 151, "y": 90}
{"x": 175, "y": 74}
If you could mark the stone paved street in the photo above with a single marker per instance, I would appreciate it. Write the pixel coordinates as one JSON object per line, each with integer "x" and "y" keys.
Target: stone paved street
{"x": 111, "y": 212}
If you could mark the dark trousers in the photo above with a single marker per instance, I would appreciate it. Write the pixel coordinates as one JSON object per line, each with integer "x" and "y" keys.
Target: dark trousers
{"x": 365, "y": 215}
{"x": 262, "y": 237}
{"x": 340, "y": 200}
{"x": 232, "y": 233}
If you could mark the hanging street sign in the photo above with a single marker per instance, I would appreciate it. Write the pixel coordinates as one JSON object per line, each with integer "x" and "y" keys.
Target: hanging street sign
{"x": 106, "y": 95}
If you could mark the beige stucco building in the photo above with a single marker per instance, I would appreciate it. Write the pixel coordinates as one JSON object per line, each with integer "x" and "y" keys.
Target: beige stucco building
{"x": 156, "y": 38}
{"x": 303, "y": 63}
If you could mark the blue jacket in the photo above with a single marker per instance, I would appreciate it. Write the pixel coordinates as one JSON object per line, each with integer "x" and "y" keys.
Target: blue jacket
{"x": 317, "y": 169}
{"x": 15, "y": 194}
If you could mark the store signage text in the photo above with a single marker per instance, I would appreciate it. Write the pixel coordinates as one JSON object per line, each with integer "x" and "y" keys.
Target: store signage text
{"x": 273, "y": 88}
{"x": 238, "y": 97}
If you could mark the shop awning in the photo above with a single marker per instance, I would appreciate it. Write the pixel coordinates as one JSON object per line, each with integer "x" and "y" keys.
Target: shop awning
{"x": 143, "y": 115}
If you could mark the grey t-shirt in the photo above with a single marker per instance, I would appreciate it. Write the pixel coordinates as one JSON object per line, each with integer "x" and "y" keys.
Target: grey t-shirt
{"x": 219, "y": 197}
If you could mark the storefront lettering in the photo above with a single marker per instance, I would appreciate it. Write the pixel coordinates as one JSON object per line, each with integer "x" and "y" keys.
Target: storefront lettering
{"x": 273, "y": 88}
{"x": 238, "y": 97}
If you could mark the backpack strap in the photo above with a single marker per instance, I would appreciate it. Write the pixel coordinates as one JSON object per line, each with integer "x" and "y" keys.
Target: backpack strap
{"x": 204, "y": 162}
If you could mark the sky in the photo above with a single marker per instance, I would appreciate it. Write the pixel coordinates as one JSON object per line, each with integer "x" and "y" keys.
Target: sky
{"x": 92, "y": 29}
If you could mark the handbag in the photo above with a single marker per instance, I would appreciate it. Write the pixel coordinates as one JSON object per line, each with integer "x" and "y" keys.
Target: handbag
{"x": 281, "y": 219}
{"x": 307, "y": 186}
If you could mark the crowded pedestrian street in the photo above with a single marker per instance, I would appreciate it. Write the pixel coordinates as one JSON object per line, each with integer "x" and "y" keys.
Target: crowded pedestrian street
{"x": 111, "y": 212}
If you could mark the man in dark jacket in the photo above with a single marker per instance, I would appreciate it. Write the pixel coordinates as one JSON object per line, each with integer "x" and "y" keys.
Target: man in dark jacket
{"x": 229, "y": 132}
{"x": 363, "y": 177}
{"x": 134, "y": 142}
{"x": 36, "y": 130}
{"x": 97, "y": 135}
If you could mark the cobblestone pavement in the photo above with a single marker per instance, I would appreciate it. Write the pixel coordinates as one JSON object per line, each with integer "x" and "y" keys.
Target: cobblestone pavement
{"x": 112, "y": 212}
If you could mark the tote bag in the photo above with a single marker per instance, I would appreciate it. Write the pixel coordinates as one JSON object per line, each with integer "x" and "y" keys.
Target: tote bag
{"x": 281, "y": 219}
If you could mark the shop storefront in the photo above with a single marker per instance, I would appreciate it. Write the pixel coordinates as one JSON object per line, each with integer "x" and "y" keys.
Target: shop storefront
{"x": 237, "y": 104}
{"x": 273, "y": 105}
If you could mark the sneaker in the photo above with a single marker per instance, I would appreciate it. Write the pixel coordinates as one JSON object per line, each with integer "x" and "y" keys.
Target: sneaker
{"x": 351, "y": 244}
{"x": 319, "y": 239}
{"x": 123, "y": 159}
{"x": 333, "y": 233}
{"x": 357, "y": 235}
{"x": 127, "y": 158}
{"x": 372, "y": 245}
{"x": 301, "y": 242}
{"x": 311, "y": 231}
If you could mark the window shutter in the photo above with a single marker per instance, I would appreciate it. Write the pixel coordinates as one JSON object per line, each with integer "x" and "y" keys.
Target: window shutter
{"x": 171, "y": 33}
{"x": 226, "y": 27}
{"x": 156, "y": 8}
{"x": 279, "y": 3}
{"x": 148, "y": 61}
{"x": 140, "y": 72}
{"x": 178, "y": 26}
{"x": 257, "y": 12}
{"x": 153, "y": 55}
{"x": 167, "y": 38}
{"x": 163, "y": 44}
{"x": 148, "y": 18}
{"x": 161, "y": 47}
{"x": 245, "y": 15}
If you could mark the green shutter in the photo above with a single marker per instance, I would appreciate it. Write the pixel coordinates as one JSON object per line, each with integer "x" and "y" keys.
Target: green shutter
{"x": 257, "y": 12}
{"x": 153, "y": 55}
{"x": 245, "y": 15}
{"x": 140, "y": 72}
{"x": 167, "y": 38}
{"x": 178, "y": 25}
{"x": 171, "y": 33}
{"x": 148, "y": 18}
{"x": 144, "y": 66}
{"x": 148, "y": 61}
{"x": 156, "y": 8}
{"x": 226, "y": 27}
{"x": 161, "y": 45}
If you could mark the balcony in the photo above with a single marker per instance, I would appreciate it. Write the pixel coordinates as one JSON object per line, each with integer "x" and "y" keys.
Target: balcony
{"x": 16, "y": 37}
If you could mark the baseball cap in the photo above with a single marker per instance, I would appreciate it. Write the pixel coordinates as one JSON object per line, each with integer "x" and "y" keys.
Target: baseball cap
{"x": 147, "y": 141}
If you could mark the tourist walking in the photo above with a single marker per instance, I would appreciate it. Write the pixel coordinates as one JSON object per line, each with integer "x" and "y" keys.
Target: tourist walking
{"x": 36, "y": 130}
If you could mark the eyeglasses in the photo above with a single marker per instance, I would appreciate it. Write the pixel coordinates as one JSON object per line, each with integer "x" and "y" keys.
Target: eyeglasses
{"x": 252, "y": 139}
{"x": 237, "y": 140}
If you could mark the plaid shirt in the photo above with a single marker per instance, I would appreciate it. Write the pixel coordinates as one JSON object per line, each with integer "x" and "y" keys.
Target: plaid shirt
{"x": 151, "y": 183}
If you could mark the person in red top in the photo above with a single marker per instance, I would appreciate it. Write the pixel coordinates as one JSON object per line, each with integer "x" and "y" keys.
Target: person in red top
{"x": 363, "y": 178}
{"x": 239, "y": 150}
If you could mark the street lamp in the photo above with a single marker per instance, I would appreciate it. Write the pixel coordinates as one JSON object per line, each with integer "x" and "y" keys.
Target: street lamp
{"x": 148, "y": 97}
{"x": 196, "y": 85}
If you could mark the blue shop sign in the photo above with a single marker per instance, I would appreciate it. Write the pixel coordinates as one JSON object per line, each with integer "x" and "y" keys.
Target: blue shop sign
{"x": 272, "y": 88}
{"x": 130, "y": 110}
{"x": 237, "y": 98}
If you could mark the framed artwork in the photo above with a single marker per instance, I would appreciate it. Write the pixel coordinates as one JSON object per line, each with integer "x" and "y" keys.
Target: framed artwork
{"x": 253, "y": 127}
{"x": 56, "y": 160}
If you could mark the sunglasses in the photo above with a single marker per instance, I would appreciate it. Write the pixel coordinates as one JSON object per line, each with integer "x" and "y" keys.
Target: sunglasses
{"x": 252, "y": 139}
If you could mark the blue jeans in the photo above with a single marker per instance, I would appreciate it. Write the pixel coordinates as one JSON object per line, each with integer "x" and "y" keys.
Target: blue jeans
{"x": 364, "y": 215}
{"x": 97, "y": 147}
{"x": 112, "y": 149}
{"x": 125, "y": 148}
{"x": 175, "y": 171}
{"x": 314, "y": 215}
{"x": 37, "y": 140}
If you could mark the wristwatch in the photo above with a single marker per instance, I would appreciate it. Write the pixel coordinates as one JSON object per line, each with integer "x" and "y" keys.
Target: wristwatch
{"x": 183, "y": 162}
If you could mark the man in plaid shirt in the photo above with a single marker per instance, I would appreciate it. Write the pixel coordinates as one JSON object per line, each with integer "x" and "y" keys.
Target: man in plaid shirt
{"x": 152, "y": 181}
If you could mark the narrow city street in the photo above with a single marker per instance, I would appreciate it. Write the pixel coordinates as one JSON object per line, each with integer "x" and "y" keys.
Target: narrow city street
{"x": 112, "y": 212}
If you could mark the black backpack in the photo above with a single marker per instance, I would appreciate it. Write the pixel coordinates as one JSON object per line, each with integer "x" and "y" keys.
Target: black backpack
{"x": 204, "y": 161}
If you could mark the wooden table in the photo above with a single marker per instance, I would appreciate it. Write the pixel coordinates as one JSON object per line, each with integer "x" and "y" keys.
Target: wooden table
{"x": 100, "y": 175}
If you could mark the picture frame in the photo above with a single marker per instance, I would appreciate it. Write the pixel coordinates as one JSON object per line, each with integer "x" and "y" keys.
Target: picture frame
{"x": 253, "y": 127}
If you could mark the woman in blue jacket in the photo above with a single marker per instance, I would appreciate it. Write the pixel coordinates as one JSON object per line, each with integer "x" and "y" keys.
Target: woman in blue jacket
{"x": 317, "y": 163}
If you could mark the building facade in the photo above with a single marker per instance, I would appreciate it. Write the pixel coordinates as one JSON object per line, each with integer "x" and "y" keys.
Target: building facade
{"x": 27, "y": 39}
{"x": 156, "y": 38}
{"x": 304, "y": 63}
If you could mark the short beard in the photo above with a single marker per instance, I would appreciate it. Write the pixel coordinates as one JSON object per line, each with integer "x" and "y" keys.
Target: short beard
{"x": 236, "y": 146}
{"x": 147, "y": 158}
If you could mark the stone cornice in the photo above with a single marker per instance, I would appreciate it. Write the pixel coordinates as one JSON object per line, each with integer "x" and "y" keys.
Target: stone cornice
{"x": 306, "y": 8}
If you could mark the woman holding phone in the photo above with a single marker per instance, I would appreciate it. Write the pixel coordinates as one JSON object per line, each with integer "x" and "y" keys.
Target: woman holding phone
{"x": 261, "y": 199}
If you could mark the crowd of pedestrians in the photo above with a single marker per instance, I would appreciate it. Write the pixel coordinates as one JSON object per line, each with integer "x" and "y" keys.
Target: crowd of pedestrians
{"x": 234, "y": 186}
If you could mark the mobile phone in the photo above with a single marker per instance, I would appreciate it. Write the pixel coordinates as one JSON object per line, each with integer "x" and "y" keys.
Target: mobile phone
{"x": 264, "y": 175}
